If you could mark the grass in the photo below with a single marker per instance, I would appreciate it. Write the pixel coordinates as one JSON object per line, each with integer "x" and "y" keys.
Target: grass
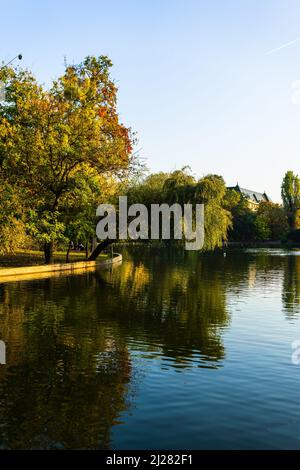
{"x": 34, "y": 257}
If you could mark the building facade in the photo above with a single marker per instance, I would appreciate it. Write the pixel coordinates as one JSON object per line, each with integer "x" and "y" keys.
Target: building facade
{"x": 253, "y": 197}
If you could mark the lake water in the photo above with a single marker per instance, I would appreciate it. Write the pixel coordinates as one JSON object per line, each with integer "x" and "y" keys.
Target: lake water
{"x": 170, "y": 350}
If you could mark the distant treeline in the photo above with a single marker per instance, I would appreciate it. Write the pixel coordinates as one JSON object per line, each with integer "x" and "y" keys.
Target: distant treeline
{"x": 228, "y": 214}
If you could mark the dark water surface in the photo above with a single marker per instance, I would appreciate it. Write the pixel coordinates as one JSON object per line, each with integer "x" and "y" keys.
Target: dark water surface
{"x": 169, "y": 350}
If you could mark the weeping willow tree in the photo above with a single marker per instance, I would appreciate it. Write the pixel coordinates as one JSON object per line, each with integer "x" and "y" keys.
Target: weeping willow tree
{"x": 181, "y": 187}
{"x": 210, "y": 191}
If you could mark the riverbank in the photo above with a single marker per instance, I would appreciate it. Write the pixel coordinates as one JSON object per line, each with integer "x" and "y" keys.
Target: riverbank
{"x": 43, "y": 270}
{"x": 23, "y": 258}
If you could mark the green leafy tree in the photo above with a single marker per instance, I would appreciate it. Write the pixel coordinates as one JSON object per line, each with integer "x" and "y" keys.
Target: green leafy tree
{"x": 79, "y": 209}
{"x": 275, "y": 219}
{"x": 290, "y": 192}
{"x": 261, "y": 228}
{"x": 12, "y": 226}
{"x": 46, "y": 229}
{"x": 148, "y": 190}
{"x": 243, "y": 218}
{"x": 179, "y": 187}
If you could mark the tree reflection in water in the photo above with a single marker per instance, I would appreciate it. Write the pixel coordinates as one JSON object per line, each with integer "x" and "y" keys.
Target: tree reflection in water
{"x": 291, "y": 286}
{"x": 71, "y": 341}
{"x": 67, "y": 374}
{"x": 171, "y": 300}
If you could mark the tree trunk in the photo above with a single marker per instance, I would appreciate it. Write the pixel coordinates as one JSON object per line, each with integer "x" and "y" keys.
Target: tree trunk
{"x": 68, "y": 252}
{"x": 48, "y": 252}
{"x": 86, "y": 250}
{"x": 100, "y": 247}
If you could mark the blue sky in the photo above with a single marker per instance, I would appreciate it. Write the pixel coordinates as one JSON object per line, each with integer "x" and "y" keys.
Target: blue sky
{"x": 195, "y": 78}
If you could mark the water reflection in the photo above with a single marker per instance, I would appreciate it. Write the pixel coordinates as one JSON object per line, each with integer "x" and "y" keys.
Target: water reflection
{"x": 172, "y": 301}
{"x": 66, "y": 376}
{"x": 291, "y": 286}
{"x": 72, "y": 342}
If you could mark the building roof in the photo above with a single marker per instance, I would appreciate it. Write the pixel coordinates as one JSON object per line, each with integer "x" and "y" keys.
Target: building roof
{"x": 253, "y": 196}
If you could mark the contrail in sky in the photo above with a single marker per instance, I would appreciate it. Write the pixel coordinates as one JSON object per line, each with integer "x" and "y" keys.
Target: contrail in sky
{"x": 287, "y": 44}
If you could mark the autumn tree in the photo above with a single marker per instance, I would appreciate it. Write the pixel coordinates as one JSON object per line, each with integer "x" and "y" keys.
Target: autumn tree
{"x": 53, "y": 139}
